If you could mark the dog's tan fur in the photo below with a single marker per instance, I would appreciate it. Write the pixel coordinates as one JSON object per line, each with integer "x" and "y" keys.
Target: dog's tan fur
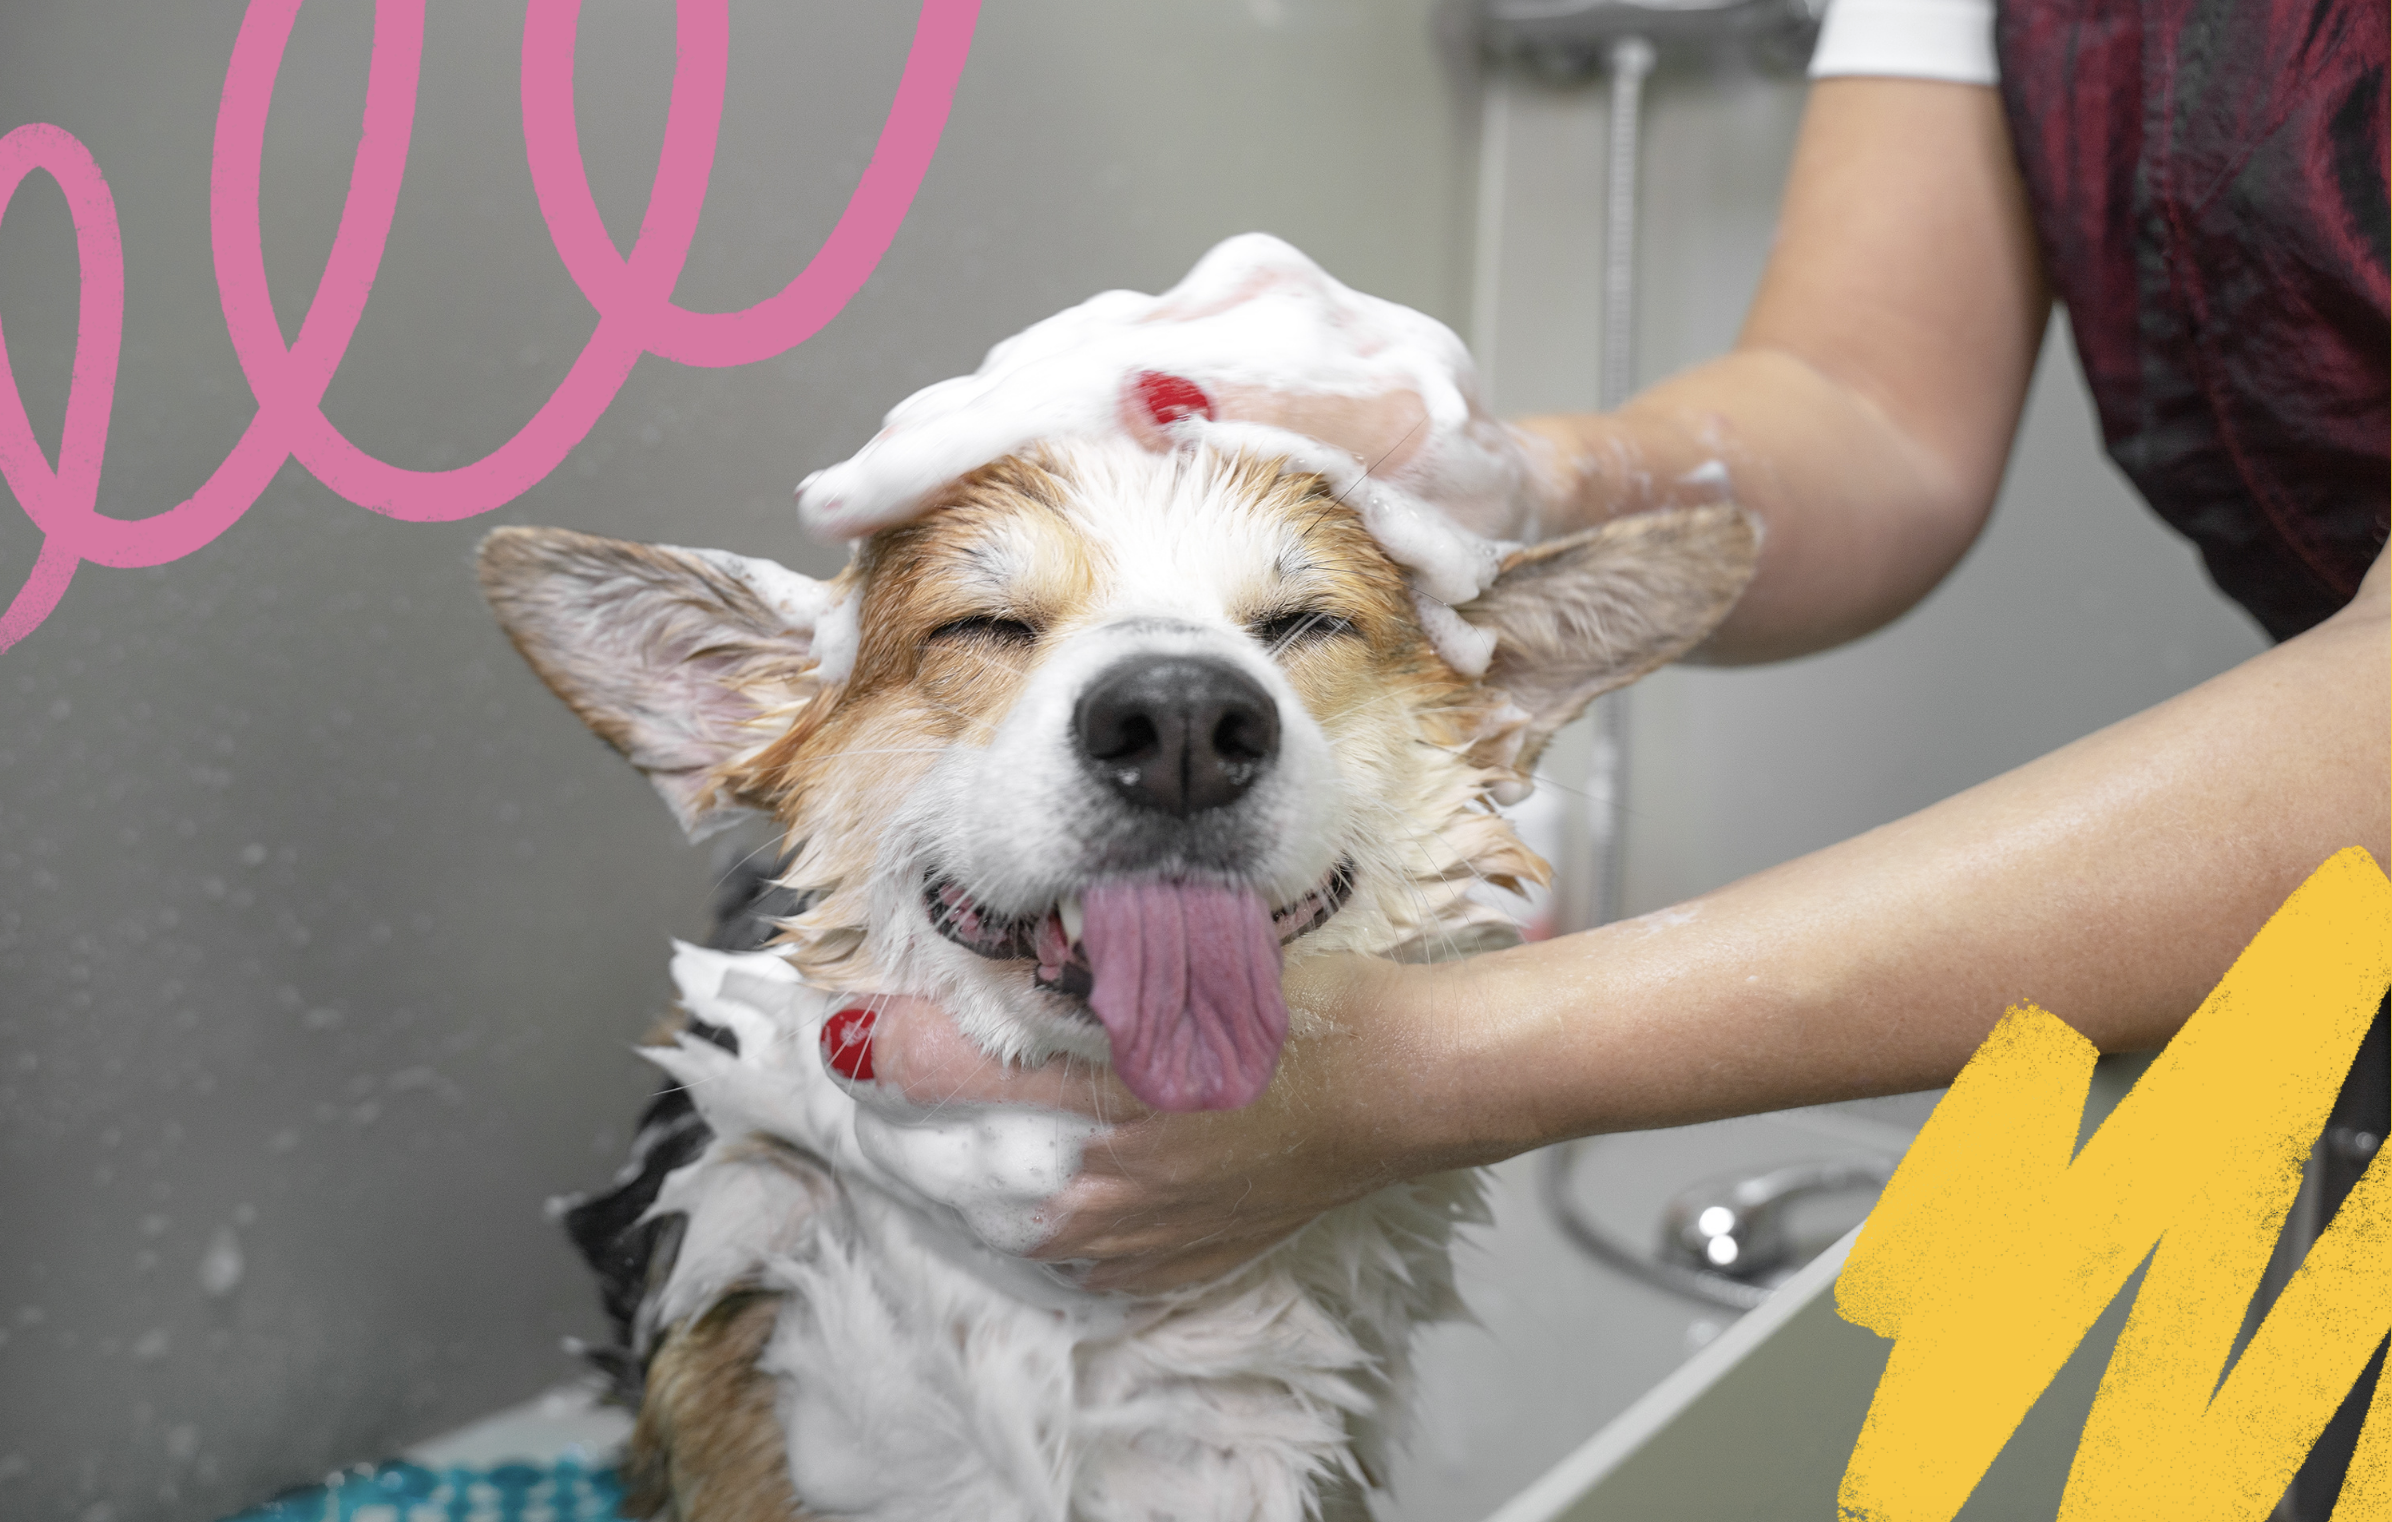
{"x": 708, "y": 1445}
{"x": 829, "y": 764}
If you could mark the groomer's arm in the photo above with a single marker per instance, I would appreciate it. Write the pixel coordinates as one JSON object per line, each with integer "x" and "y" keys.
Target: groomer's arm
{"x": 1870, "y": 402}
{"x": 2112, "y": 882}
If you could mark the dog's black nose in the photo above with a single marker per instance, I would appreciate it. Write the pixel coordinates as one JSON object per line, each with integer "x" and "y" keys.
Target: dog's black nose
{"x": 1177, "y": 734}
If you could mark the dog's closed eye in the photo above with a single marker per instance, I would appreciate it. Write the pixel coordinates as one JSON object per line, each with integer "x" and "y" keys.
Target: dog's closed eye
{"x": 988, "y": 630}
{"x": 1298, "y": 627}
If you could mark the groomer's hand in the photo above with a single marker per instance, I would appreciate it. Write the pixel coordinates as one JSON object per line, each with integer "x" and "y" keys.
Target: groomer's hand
{"x": 1166, "y": 1199}
{"x": 1383, "y": 432}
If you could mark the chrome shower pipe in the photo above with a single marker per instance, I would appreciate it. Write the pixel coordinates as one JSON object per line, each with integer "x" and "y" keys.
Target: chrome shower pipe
{"x": 1628, "y": 61}
{"x": 1625, "y": 40}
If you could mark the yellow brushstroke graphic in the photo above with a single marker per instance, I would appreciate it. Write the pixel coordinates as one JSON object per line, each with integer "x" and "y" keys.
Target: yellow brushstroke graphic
{"x": 1992, "y": 1253}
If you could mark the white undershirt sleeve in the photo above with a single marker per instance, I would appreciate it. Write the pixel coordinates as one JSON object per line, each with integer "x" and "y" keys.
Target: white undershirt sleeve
{"x": 1908, "y": 39}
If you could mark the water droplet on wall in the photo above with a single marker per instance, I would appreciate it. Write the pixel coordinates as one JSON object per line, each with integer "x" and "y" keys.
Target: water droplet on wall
{"x": 221, "y": 1266}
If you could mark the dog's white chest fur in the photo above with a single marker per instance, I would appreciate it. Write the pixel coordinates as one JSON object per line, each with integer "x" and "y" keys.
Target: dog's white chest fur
{"x": 923, "y": 1376}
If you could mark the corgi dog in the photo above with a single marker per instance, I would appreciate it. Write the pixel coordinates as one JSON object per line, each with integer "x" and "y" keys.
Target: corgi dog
{"x": 1087, "y": 754}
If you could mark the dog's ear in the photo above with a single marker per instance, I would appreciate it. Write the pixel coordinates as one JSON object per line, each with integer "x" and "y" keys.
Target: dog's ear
{"x": 1576, "y": 617}
{"x": 681, "y": 659}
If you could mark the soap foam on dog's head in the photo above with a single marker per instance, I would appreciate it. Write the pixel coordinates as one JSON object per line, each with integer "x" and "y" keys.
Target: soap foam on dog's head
{"x": 1254, "y": 316}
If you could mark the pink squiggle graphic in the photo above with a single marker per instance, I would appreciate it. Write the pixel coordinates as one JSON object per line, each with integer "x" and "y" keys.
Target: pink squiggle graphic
{"x": 633, "y": 295}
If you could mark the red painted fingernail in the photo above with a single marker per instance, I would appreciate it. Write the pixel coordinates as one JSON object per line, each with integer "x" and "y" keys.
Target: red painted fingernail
{"x": 1168, "y": 398}
{"x": 847, "y": 1044}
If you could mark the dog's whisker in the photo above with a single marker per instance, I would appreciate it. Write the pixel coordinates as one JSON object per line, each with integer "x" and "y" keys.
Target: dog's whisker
{"x": 724, "y": 877}
{"x": 1356, "y": 707}
{"x": 988, "y": 657}
{"x": 971, "y": 721}
{"x": 1311, "y": 621}
{"x": 1338, "y": 500}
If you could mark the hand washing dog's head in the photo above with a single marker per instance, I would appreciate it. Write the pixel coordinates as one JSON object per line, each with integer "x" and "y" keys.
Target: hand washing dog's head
{"x": 1086, "y": 750}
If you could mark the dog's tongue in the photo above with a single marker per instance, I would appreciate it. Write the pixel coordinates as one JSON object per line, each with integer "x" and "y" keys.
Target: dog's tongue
{"x": 1187, "y": 985}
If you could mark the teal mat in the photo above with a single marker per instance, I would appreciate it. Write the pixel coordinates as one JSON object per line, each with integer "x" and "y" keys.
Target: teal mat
{"x": 560, "y": 1492}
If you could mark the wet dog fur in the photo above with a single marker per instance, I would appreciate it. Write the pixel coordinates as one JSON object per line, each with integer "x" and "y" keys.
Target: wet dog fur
{"x": 942, "y": 749}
